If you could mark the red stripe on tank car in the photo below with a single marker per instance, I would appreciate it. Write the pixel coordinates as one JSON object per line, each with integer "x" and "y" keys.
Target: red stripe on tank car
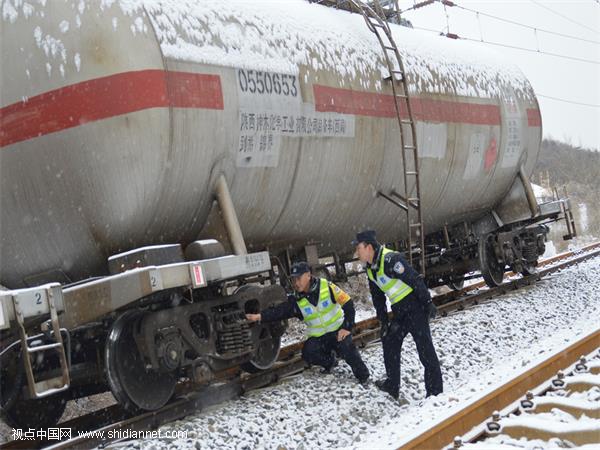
{"x": 460, "y": 112}
{"x": 347, "y": 101}
{"x": 110, "y": 96}
{"x": 534, "y": 119}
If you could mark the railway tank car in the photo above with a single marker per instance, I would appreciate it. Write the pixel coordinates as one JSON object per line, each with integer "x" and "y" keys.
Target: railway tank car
{"x": 131, "y": 131}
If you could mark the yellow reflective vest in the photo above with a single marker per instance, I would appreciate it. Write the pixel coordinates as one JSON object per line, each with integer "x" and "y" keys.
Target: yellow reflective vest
{"x": 325, "y": 317}
{"x": 394, "y": 288}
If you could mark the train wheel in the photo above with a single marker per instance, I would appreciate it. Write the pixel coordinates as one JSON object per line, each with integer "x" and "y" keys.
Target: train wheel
{"x": 38, "y": 413}
{"x": 491, "y": 270}
{"x": 266, "y": 352}
{"x": 267, "y": 342}
{"x": 18, "y": 412}
{"x": 134, "y": 386}
{"x": 12, "y": 376}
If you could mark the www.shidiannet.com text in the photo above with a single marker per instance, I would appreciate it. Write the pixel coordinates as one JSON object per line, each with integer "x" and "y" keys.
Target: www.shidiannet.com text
{"x": 60, "y": 434}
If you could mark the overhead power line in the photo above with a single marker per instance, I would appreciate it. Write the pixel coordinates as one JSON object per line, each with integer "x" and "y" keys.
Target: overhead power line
{"x": 422, "y": 4}
{"x": 514, "y": 47}
{"x": 564, "y": 17}
{"x": 557, "y": 55}
{"x": 524, "y": 25}
{"x": 568, "y": 101}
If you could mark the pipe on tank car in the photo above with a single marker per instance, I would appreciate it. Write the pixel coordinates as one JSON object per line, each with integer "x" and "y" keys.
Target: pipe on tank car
{"x": 230, "y": 218}
{"x": 533, "y": 206}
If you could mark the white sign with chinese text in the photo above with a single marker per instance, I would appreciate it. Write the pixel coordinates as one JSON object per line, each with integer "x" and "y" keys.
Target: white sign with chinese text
{"x": 271, "y": 108}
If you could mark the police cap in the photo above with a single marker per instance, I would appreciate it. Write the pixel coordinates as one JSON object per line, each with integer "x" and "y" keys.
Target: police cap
{"x": 367, "y": 236}
{"x": 299, "y": 268}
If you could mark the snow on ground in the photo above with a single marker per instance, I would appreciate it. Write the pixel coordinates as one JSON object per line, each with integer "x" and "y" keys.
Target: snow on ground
{"x": 556, "y": 420}
{"x": 478, "y": 348}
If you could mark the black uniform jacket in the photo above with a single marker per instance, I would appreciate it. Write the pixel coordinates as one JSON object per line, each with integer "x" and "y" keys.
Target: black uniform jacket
{"x": 395, "y": 266}
{"x": 289, "y": 309}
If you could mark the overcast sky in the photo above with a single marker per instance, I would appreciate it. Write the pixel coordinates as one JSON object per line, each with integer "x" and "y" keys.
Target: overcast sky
{"x": 551, "y": 76}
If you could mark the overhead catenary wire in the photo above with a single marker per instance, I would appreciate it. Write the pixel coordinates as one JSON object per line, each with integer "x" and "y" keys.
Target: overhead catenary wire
{"x": 568, "y": 101}
{"x": 535, "y": 29}
{"x": 557, "y": 55}
{"x": 447, "y": 19}
{"x": 564, "y": 17}
{"x": 514, "y": 47}
{"x": 419, "y": 5}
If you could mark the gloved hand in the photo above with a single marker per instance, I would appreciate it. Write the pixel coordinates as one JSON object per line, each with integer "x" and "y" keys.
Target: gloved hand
{"x": 385, "y": 326}
{"x": 393, "y": 328}
{"x": 342, "y": 334}
{"x": 431, "y": 311}
{"x": 389, "y": 328}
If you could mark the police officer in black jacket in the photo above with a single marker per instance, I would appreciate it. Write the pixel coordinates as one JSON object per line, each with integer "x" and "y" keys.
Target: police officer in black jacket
{"x": 390, "y": 276}
{"x": 329, "y": 315}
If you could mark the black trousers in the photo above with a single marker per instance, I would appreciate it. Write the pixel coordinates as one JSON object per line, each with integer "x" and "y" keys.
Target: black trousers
{"x": 411, "y": 316}
{"x": 318, "y": 351}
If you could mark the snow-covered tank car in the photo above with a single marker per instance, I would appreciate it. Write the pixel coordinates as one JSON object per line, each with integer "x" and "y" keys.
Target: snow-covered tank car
{"x": 133, "y": 129}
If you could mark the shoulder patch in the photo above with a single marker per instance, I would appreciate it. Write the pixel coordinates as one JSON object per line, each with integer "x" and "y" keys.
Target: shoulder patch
{"x": 340, "y": 296}
{"x": 399, "y": 268}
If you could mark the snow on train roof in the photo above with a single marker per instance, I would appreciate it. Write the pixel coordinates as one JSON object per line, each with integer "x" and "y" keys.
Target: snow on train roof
{"x": 250, "y": 34}
{"x": 280, "y": 36}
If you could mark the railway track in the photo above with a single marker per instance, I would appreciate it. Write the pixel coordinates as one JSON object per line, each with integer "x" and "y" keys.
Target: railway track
{"x": 512, "y": 410}
{"x": 109, "y": 425}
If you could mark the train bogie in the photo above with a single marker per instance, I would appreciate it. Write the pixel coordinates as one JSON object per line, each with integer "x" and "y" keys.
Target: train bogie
{"x": 174, "y": 320}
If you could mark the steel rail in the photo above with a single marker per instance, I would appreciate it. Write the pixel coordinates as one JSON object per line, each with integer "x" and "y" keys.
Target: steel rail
{"x": 534, "y": 403}
{"x": 231, "y": 385}
{"x": 443, "y": 433}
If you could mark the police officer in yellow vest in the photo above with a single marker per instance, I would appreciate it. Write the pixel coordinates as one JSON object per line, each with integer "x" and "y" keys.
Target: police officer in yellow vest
{"x": 329, "y": 315}
{"x": 392, "y": 277}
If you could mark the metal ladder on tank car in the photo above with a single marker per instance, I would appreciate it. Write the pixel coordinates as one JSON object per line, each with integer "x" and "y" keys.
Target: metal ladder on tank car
{"x": 411, "y": 202}
{"x": 390, "y": 8}
{"x": 44, "y": 299}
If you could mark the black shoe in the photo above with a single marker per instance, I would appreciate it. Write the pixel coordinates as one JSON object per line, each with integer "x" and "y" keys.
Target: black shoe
{"x": 430, "y": 394}
{"x": 365, "y": 383}
{"x": 328, "y": 370}
{"x": 380, "y": 383}
{"x": 385, "y": 386}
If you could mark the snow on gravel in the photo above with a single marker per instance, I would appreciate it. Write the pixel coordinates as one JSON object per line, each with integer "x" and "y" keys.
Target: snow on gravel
{"x": 478, "y": 348}
{"x": 556, "y": 420}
